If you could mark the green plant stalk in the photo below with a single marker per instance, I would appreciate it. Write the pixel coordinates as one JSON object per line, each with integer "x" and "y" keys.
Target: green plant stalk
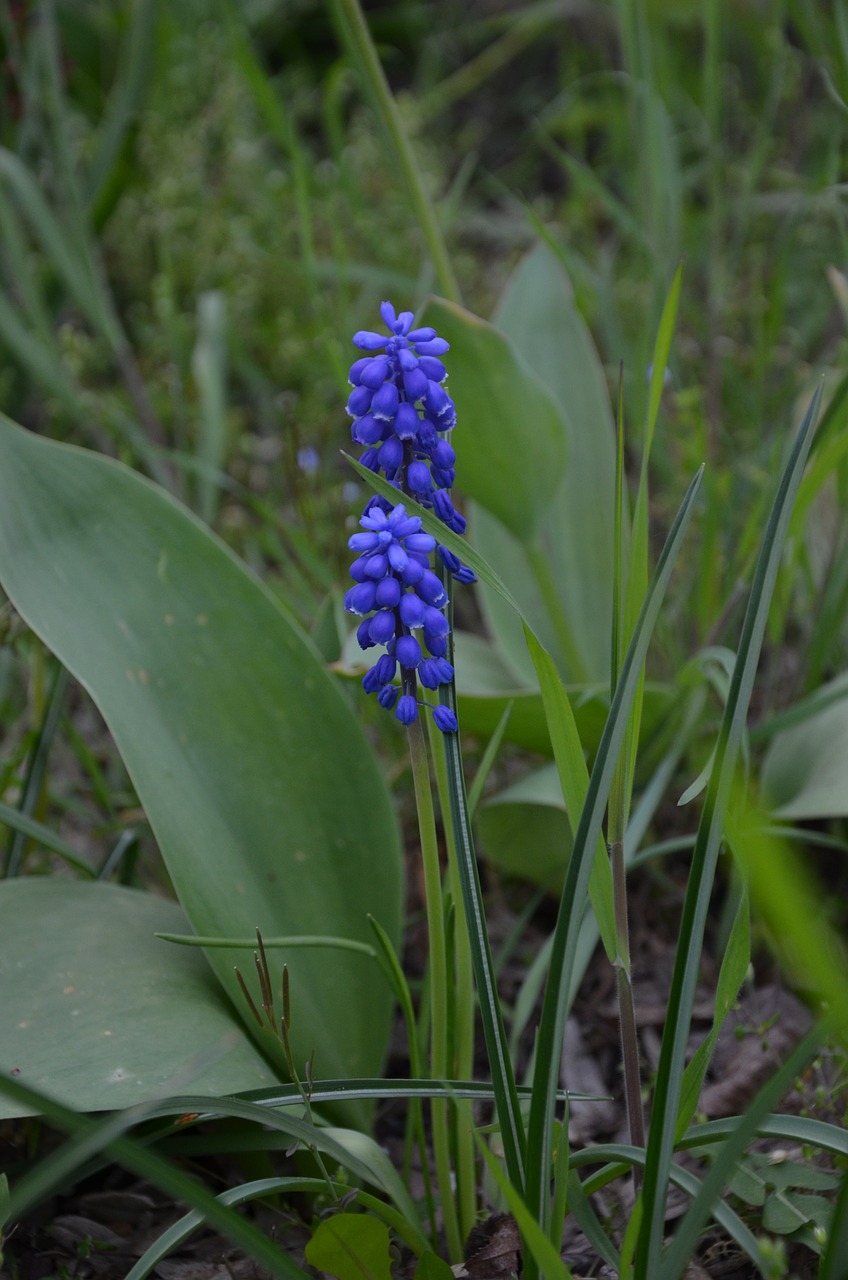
{"x": 540, "y": 565}
{"x": 439, "y": 991}
{"x": 626, "y": 1010}
{"x": 619, "y": 807}
{"x": 494, "y": 1033}
{"x": 353, "y": 22}
{"x": 392, "y": 968}
{"x": 462, "y": 1066}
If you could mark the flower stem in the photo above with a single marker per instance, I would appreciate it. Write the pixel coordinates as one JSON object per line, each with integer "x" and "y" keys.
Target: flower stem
{"x": 463, "y": 997}
{"x": 439, "y": 993}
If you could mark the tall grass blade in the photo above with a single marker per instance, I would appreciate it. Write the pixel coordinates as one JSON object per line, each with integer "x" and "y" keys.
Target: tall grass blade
{"x": 670, "y": 1072}
{"x": 552, "y": 1025}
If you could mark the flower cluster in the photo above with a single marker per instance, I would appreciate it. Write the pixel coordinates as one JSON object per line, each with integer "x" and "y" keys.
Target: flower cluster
{"x": 401, "y": 414}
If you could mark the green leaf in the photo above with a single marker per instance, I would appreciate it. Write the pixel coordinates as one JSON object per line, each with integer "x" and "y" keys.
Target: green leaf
{"x": 805, "y": 771}
{"x": 257, "y": 780}
{"x": 99, "y": 1013}
{"x": 538, "y": 313}
{"x": 784, "y": 1213}
{"x": 351, "y": 1246}
{"x": 432, "y": 1267}
{"x": 514, "y": 434}
{"x": 524, "y": 830}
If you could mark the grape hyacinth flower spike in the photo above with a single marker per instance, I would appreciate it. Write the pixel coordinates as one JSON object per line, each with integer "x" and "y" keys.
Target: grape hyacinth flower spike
{"x": 402, "y": 415}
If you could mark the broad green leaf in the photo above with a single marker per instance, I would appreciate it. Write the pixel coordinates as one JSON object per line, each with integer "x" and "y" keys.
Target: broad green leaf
{"x": 539, "y": 314}
{"x": 524, "y": 830}
{"x": 513, "y": 431}
{"x": 351, "y": 1246}
{"x": 805, "y": 771}
{"x": 101, "y": 1014}
{"x": 257, "y": 780}
{"x": 432, "y": 1267}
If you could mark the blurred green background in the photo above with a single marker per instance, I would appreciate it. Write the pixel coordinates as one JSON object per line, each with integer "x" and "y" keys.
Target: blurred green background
{"x": 199, "y": 206}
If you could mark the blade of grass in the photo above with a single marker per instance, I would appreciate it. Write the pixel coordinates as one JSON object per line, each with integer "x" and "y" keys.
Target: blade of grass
{"x": 672, "y": 1056}
{"x": 552, "y": 1024}
{"x": 180, "y": 1231}
{"x": 42, "y": 835}
{"x": 90, "y": 1137}
{"x": 356, "y": 35}
{"x": 686, "y": 1237}
{"x": 37, "y": 769}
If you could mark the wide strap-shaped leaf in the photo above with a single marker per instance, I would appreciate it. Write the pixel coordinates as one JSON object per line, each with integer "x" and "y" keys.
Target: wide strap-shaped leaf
{"x": 100, "y": 1013}
{"x": 512, "y": 429}
{"x": 575, "y": 520}
{"x": 255, "y": 775}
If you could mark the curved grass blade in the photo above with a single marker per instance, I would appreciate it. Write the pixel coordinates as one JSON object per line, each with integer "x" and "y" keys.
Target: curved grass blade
{"x": 92, "y": 1137}
{"x": 33, "y": 830}
{"x": 622, "y": 1158}
{"x": 686, "y": 1236}
{"x": 180, "y": 1231}
{"x": 552, "y": 1024}
{"x": 37, "y": 767}
{"x": 678, "y": 1017}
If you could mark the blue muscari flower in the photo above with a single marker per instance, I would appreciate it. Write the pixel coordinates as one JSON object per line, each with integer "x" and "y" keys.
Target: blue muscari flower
{"x": 401, "y": 413}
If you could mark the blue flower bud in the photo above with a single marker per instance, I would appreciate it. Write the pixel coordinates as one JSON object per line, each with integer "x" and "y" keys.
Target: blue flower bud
{"x": 435, "y": 624}
{"x": 385, "y": 668}
{"x": 367, "y": 430}
{"x": 363, "y": 634}
{"x": 367, "y": 341}
{"x": 391, "y": 455}
{"x": 418, "y": 477}
{"x": 408, "y": 652}
{"x": 431, "y": 346}
{"x": 387, "y": 697}
{"x": 433, "y": 368}
{"x": 375, "y": 372}
{"x": 382, "y": 626}
{"x": 437, "y": 645}
{"x": 359, "y": 401}
{"x": 377, "y": 566}
{"x": 416, "y": 384}
{"x": 430, "y": 589}
{"x": 412, "y": 610}
{"x": 385, "y": 402}
{"x": 406, "y": 421}
{"x": 445, "y": 719}
{"x": 371, "y": 682}
{"x": 428, "y": 673}
{"x": 443, "y": 454}
{"x": 407, "y": 709}
{"x": 360, "y": 599}
{"x": 388, "y": 593}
